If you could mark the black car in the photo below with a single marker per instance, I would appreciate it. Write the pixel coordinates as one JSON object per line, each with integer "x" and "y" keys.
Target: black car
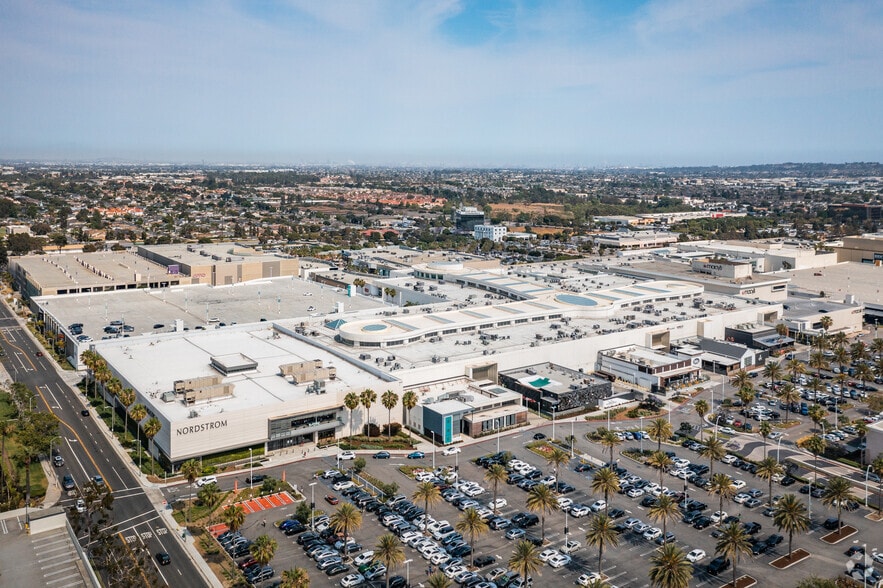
{"x": 787, "y": 481}
{"x": 759, "y": 547}
{"x": 538, "y": 436}
{"x": 583, "y": 467}
{"x": 564, "y": 488}
{"x": 615, "y": 513}
{"x": 648, "y": 501}
{"x": 398, "y": 582}
{"x": 690, "y": 516}
{"x": 831, "y": 523}
{"x": 256, "y": 479}
{"x": 718, "y": 565}
{"x": 534, "y": 539}
{"x": 163, "y": 558}
{"x": 484, "y": 560}
{"x": 774, "y": 540}
{"x": 751, "y": 527}
{"x": 702, "y": 522}
{"x": 67, "y": 482}
{"x": 514, "y": 479}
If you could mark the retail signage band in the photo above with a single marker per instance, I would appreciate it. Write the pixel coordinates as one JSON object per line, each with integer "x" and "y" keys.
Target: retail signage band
{"x": 201, "y": 428}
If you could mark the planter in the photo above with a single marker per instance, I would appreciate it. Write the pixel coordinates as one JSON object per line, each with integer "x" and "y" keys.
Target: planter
{"x": 785, "y": 561}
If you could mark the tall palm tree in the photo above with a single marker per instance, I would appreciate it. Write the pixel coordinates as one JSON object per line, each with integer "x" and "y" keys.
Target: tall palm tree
{"x": 765, "y": 429}
{"x": 208, "y": 494}
{"x": 713, "y": 450}
{"x": 818, "y": 415}
{"x": 428, "y": 493}
{"x": 367, "y": 398}
{"x": 701, "y": 408}
{"x": 659, "y": 429}
{"x": 525, "y": 559}
{"x": 610, "y": 441}
{"x": 861, "y": 429}
{"x": 670, "y": 568}
{"x": 864, "y": 373}
{"x": 344, "y": 519}
{"x": 767, "y": 470}
{"x": 773, "y": 372}
{"x": 790, "y": 517}
{"x": 839, "y": 491}
{"x": 815, "y": 445}
{"x": 557, "y": 458}
{"x": 127, "y": 397}
{"x": 114, "y": 387}
{"x": 351, "y": 402}
{"x": 496, "y": 474}
{"x": 263, "y": 549}
{"x": 601, "y": 534}
{"x": 541, "y": 499}
{"x": 877, "y": 346}
{"x": 788, "y": 394}
{"x": 839, "y": 339}
{"x": 733, "y": 544}
{"x": 796, "y": 368}
{"x": 409, "y": 401}
{"x": 742, "y": 380}
{"x": 818, "y": 362}
{"x": 605, "y": 480}
{"x": 138, "y": 412}
{"x": 389, "y": 552}
{"x": 389, "y": 399}
{"x": 722, "y": 486}
{"x": 841, "y": 356}
{"x": 877, "y": 468}
{"x": 471, "y": 523}
{"x": 295, "y": 578}
{"x": 663, "y": 510}
{"x": 660, "y": 461}
{"x": 151, "y": 429}
{"x": 233, "y": 516}
{"x": 190, "y": 469}
{"x": 438, "y": 580}
{"x": 858, "y": 351}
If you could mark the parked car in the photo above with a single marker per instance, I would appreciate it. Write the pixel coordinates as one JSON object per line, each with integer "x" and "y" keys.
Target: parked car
{"x": 416, "y": 455}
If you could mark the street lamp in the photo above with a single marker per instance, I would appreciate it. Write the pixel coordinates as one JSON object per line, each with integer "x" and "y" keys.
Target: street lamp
{"x": 642, "y": 435}
{"x": 407, "y": 563}
{"x": 312, "y": 506}
{"x": 139, "y": 455}
{"x": 433, "y": 450}
{"x": 572, "y": 438}
{"x": 778, "y": 446}
{"x": 250, "y": 471}
{"x": 554, "y": 406}
{"x": 867, "y": 473}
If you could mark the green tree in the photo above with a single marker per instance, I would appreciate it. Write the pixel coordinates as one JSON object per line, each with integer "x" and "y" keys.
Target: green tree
{"x": 409, "y": 401}
{"x": 557, "y": 458}
{"x": 351, "y": 401}
{"x": 344, "y": 519}
{"x": 790, "y": 517}
{"x": 611, "y": 441}
{"x": 659, "y": 429}
{"x": 733, "y": 544}
{"x": 660, "y": 461}
{"x": 427, "y": 493}
{"x": 389, "y": 552}
{"x": 713, "y": 450}
{"x": 605, "y": 480}
{"x": 127, "y": 397}
{"x": 773, "y": 372}
{"x": 601, "y": 534}
{"x": 670, "y": 568}
{"x": 541, "y": 499}
{"x": 190, "y": 469}
{"x": 525, "y": 559}
{"x": 815, "y": 445}
{"x": 263, "y": 549}
{"x": 295, "y": 578}
{"x": 767, "y": 469}
{"x": 765, "y": 429}
{"x": 701, "y": 408}
{"x": 663, "y": 510}
{"x": 722, "y": 486}
{"x": 150, "y": 429}
{"x": 788, "y": 394}
{"x": 208, "y": 494}
{"x": 496, "y": 474}
{"x": 470, "y": 523}
{"x": 233, "y": 516}
{"x": 367, "y": 398}
{"x": 838, "y": 492}
{"x": 389, "y": 399}
{"x": 438, "y": 580}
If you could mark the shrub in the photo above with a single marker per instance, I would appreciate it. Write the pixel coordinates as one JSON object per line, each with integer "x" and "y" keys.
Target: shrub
{"x": 395, "y": 427}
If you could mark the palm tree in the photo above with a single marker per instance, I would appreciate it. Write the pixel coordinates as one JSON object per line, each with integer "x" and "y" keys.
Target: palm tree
{"x": 817, "y": 415}
{"x": 295, "y": 578}
{"x": 471, "y": 522}
{"x": 409, "y": 401}
{"x": 428, "y": 493}
{"x": 839, "y": 491}
{"x": 861, "y": 429}
{"x": 190, "y": 469}
{"x": 127, "y": 397}
{"x": 815, "y": 445}
{"x": 138, "y": 412}
{"x": 746, "y": 395}
{"x": 367, "y": 398}
{"x": 773, "y": 372}
{"x": 765, "y": 429}
{"x": 496, "y": 474}
{"x": 438, "y": 580}
{"x": 722, "y": 485}
{"x": 389, "y": 552}
{"x": 670, "y": 568}
{"x": 605, "y": 480}
{"x": 351, "y": 401}
{"x": 767, "y": 470}
{"x": 208, "y": 494}
{"x": 263, "y": 549}
{"x": 345, "y": 519}
{"x": 233, "y": 516}
{"x": 601, "y": 534}
{"x": 610, "y": 441}
{"x": 841, "y": 356}
{"x": 790, "y": 516}
{"x": 796, "y": 368}
{"x": 389, "y": 399}
{"x": 150, "y": 429}
{"x": 114, "y": 387}
{"x": 713, "y": 450}
{"x": 818, "y": 362}
{"x": 858, "y": 351}
{"x": 557, "y": 458}
{"x": 659, "y": 429}
{"x": 788, "y": 394}
{"x": 741, "y": 380}
{"x": 733, "y": 544}
{"x": 541, "y": 499}
{"x": 701, "y": 408}
{"x": 660, "y": 461}
{"x": 864, "y": 373}
{"x": 877, "y": 468}
{"x": 664, "y": 509}
{"x": 525, "y": 559}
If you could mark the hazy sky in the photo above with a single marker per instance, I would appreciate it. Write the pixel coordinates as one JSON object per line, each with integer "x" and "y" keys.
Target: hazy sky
{"x": 446, "y": 82}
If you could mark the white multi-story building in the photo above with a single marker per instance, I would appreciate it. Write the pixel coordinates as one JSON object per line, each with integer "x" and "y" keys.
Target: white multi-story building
{"x": 493, "y": 232}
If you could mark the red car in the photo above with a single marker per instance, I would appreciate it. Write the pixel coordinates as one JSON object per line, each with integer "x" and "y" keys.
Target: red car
{"x": 331, "y": 499}
{"x": 39, "y": 354}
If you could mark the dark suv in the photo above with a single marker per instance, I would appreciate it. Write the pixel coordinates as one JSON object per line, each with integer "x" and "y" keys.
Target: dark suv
{"x": 67, "y": 482}
{"x": 718, "y": 565}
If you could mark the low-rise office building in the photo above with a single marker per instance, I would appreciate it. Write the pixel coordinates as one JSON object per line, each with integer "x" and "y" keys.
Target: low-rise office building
{"x": 659, "y": 371}
{"x": 495, "y": 233}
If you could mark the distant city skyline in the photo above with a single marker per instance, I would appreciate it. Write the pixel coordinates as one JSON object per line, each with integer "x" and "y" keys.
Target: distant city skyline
{"x": 527, "y": 83}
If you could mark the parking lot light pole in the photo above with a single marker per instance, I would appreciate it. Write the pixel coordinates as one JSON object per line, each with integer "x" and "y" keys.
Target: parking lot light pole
{"x": 867, "y": 473}
{"x": 407, "y": 563}
{"x": 312, "y": 506}
{"x": 572, "y": 438}
{"x": 250, "y": 471}
{"x": 553, "y": 421}
{"x": 433, "y": 450}
{"x": 642, "y": 435}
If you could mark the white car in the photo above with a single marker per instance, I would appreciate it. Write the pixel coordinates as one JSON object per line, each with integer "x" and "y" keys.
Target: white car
{"x": 364, "y": 557}
{"x": 727, "y": 430}
{"x": 728, "y": 459}
{"x": 564, "y": 502}
{"x": 352, "y": 580}
{"x": 498, "y": 503}
{"x": 579, "y": 510}
{"x": 346, "y": 455}
{"x": 559, "y": 560}
{"x": 547, "y": 553}
{"x": 598, "y": 505}
{"x": 343, "y": 485}
{"x": 718, "y": 515}
{"x": 635, "y": 493}
{"x": 651, "y": 534}
{"x": 878, "y": 557}
{"x": 451, "y": 450}
{"x": 695, "y": 556}
{"x": 80, "y": 506}
{"x": 741, "y": 497}
{"x": 586, "y": 579}
{"x": 739, "y": 484}
{"x": 571, "y": 546}
{"x": 205, "y": 481}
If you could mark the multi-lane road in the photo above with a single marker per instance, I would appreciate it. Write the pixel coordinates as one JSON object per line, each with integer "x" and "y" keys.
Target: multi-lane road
{"x": 87, "y": 451}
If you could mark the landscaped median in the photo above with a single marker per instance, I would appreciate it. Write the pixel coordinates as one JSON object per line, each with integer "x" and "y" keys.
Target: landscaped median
{"x": 786, "y": 561}
{"x": 741, "y": 582}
